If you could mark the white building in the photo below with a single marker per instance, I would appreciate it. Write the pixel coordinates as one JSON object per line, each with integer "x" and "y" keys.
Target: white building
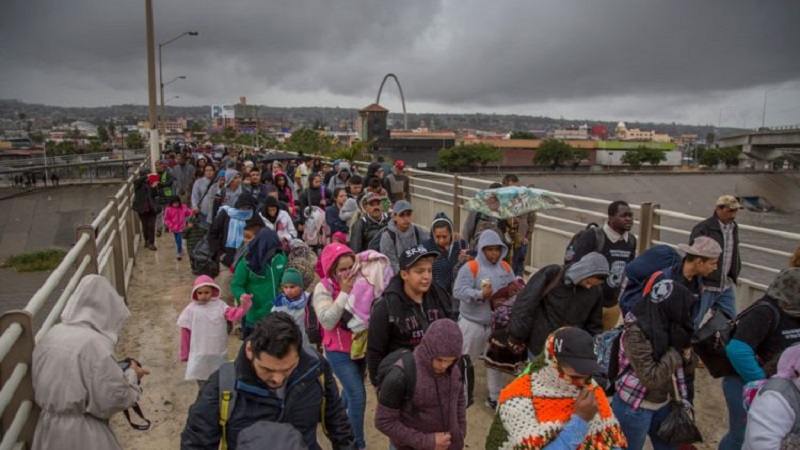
{"x": 622, "y": 133}
{"x": 580, "y": 133}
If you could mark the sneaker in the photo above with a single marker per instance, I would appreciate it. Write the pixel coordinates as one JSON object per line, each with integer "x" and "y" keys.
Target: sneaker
{"x": 491, "y": 403}
{"x": 180, "y": 257}
{"x": 152, "y": 247}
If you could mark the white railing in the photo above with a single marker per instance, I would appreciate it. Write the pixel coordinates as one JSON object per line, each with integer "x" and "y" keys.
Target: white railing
{"x": 436, "y": 192}
{"x": 107, "y": 247}
{"x": 73, "y": 159}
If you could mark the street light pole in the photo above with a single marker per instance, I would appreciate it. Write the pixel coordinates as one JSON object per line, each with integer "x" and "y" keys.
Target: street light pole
{"x": 764, "y": 111}
{"x": 163, "y": 122}
{"x": 151, "y": 85}
{"x": 160, "y": 71}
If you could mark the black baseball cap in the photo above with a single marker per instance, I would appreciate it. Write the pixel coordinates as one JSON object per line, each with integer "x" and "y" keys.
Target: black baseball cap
{"x": 575, "y": 348}
{"x": 411, "y": 255}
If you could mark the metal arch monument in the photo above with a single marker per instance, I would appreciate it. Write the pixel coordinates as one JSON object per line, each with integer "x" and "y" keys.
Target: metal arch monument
{"x": 402, "y": 98}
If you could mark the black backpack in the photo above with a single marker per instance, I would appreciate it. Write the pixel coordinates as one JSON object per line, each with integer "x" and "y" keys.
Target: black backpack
{"x": 569, "y": 254}
{"x": 203, "y": 262}
{"x": 710, "y": 340}
{"x": 403, "y": 359}
{"x": 465, "y": 365}
{"x": 312, "y": 326}
{"x": 375, "y": 242}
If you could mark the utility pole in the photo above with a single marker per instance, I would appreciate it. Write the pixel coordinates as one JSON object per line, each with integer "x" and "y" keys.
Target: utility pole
{"x": 151, "y": 86}
{"x": 258, "y": 129}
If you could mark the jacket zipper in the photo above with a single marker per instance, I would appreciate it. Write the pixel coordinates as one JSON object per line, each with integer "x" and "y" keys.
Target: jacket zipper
{"x": 291, "y": 385}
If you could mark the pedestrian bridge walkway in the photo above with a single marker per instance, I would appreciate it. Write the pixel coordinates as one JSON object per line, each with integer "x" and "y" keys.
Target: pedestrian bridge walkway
{"x": 157, "y": 286}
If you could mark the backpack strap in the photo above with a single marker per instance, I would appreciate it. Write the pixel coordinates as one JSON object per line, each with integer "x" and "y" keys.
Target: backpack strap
{"x": 407, "y": 364}
{"x": 323, "y": 404}
{"x": 473, "y": 267}
{"x": 599, "y": 238}
{"x": 553, "y": 282}
{"x": 649, "y": 286}
{"x": 227, "y": 398}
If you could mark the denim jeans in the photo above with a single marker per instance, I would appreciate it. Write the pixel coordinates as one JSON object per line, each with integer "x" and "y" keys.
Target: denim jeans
{"x": 178, "y": 242}
{"x": 638, "y": 424}
{"x": 732, "y": 390}
{"x": 350, "y": 373}
{"x": 519, "y": 259}
{"x": 725, "y": 300}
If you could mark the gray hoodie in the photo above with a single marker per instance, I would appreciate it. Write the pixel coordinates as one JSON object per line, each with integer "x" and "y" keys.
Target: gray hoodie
{"x": 392, "y": 248}
{"x": 467, "y": 288}
{"x": 590, "y": 265}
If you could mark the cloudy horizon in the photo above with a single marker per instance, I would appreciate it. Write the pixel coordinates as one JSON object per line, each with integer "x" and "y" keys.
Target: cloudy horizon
{"x": 663, "y": 61}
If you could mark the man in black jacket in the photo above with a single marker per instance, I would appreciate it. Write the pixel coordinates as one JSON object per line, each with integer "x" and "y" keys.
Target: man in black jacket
{"x": 223, "y": 248}
{"x": 370, "y": 224}
{"x": 574, "y": 300}
{"x": 277, "y": 380}
{"x": 718, "y": 292}
{"x": 408, "y": 305}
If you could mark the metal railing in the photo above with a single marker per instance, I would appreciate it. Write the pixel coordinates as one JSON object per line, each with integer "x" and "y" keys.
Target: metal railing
{"x": 436, "y": 192}
{"x": 107, "y": 247}
{"x": 72, "y": 159}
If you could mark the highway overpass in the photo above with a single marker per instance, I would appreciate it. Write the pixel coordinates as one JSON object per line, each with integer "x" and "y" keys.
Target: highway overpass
{"x": 766, "y": 144}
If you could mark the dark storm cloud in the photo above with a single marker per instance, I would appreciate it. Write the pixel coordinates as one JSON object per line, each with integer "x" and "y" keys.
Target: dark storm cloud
{"x": 450, "y": 53}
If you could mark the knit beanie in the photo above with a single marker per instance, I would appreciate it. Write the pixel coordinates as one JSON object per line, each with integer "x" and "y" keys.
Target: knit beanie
{"x": 245, "y": 199}
{"x": 292, "y": 276}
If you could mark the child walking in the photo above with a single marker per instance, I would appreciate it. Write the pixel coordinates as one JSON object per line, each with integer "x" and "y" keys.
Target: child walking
{"x": 204, "y": 332}
{"x": 175, "y": 220}
{"x": 293, "y": 299}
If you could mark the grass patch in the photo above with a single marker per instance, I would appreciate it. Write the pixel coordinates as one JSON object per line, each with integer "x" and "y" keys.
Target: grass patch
{"x": 35, "y": 262}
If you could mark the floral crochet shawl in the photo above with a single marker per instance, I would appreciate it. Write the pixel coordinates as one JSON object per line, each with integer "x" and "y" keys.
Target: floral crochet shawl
{"x": 538, "y": 404}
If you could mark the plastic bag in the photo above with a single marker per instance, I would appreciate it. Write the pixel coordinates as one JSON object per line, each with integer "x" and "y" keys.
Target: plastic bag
{"x": 679, "y": 427}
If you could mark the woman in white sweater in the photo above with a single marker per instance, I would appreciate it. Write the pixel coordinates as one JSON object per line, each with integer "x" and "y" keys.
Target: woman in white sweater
{"x": 773, "y": 421}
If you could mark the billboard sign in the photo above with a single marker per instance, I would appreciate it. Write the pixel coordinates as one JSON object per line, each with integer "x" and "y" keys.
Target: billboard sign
{"x": 222, "y": 112}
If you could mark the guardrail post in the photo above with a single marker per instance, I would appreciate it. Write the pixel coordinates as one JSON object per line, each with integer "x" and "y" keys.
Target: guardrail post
{"x": 645, "y": 227}
{"x": 456, "y": 203}
{"x": 655, "y": 219}
{"x": 116, "y": 243}
{"x": 21, "y": 353}
{"x": 130, "y": 227}
{"x": 89, "y": 249}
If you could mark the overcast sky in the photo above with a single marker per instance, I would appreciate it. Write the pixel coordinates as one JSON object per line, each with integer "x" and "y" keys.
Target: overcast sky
{"x": 672, "y": 60}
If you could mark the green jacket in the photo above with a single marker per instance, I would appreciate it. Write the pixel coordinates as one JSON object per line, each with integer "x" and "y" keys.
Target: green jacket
{"x": 264, "y": 288}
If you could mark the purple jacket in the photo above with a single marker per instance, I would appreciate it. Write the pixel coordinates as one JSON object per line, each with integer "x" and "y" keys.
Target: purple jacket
{"x": 438, "y": 403}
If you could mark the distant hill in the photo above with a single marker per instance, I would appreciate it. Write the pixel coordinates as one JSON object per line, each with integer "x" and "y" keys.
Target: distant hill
{"x": 333, "y": 117}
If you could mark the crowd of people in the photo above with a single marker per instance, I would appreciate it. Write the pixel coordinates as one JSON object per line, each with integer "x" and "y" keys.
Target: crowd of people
{"x": 327, "y": 278}
{"x": 30, "y": 179}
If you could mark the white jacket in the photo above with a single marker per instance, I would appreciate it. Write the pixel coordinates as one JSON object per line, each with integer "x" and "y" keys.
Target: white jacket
{"x": 769, "y": 420}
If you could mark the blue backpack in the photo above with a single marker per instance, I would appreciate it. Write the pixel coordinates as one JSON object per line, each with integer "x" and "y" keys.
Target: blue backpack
{"x": 639, "y": 271}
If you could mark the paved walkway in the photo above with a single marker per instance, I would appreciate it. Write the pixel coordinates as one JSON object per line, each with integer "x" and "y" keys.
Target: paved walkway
{"x": 161, "y": 288}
